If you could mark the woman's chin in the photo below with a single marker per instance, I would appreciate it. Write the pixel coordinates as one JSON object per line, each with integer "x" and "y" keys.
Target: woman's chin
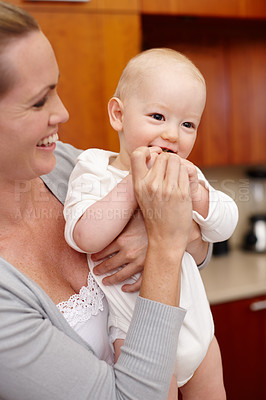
{"x": 45, "y": 164}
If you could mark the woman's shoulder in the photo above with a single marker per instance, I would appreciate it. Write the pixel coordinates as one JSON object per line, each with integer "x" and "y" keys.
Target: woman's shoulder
{"x": 17, "y": 286}
{"x": 66, "y": 156}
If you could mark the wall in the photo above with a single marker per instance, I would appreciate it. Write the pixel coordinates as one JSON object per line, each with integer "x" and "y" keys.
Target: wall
{"x": 234, "y": 182}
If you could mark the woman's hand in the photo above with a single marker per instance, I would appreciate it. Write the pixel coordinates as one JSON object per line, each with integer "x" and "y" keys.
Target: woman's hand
{"x": 163, "y": 195}
{"x": 127, "y": 250}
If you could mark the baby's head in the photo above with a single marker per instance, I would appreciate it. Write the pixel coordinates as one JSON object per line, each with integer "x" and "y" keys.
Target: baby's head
{"x": 151, "y": 62}
{"x": 159, "y": 101}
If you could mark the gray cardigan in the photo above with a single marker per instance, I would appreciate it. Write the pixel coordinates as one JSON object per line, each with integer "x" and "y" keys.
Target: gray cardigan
{"x": 43, "y": 358}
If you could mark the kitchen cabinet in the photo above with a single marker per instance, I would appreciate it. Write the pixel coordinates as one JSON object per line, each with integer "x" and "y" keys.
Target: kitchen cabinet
{"x": 203, "y": 8}
{"x": 235, "y": 284}
{"x": 92, "y": 41}
{"x": 240, "y": 327}
{"x": 231, "y": 54}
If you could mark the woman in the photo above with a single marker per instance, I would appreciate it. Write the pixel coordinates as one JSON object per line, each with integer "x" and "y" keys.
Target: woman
{"x": 41, "y": 356}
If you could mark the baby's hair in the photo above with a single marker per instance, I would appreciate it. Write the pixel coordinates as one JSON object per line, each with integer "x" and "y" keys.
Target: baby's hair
{"x": 146, "y": 61}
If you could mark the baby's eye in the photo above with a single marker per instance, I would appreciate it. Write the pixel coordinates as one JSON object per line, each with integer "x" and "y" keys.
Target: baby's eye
{"x": 188, "y": 125}
{"x": 158, "y": 117}
{"x": 40, "y": 103}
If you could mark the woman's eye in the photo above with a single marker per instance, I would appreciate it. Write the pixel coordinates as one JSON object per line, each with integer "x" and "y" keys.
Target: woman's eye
{"x": 188, "y": 125}
{"x": 158, "y": 117}
{"x": 40, "y": 103}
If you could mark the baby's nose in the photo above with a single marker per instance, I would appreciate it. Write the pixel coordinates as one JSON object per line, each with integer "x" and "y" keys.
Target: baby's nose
{"x": 171, "y": 134}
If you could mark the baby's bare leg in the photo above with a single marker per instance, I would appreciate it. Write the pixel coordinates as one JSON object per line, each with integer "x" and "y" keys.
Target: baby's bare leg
{"x": 173, "y": 391}
{"x": 118, "y": 343}
{"x": 207, "y": 381}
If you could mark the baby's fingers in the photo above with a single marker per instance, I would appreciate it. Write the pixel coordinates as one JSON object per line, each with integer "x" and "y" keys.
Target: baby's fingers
{"x": 139, "y": 159}
{"x": 183, "y": 181}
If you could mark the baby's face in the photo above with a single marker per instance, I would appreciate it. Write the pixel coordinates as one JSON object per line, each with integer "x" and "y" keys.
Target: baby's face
{"x": 164, "y": 111}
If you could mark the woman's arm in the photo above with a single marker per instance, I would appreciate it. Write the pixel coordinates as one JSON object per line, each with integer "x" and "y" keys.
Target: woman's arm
{"x": 50, "y": 361}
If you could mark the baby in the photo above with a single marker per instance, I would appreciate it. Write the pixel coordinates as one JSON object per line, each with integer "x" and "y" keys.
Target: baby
{"x": 158, "y": 103}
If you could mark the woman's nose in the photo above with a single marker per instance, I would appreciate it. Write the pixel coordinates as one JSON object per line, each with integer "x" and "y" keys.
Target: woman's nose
{"x": 59, "y": 114}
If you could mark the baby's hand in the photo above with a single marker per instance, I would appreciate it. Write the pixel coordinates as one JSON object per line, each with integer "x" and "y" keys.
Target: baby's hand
{"x": 154, "y": 151}
{"x": 198, "y": 192}
{"x": 194, "y": 183}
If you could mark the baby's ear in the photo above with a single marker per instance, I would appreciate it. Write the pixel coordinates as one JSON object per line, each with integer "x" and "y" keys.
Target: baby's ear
{"x": 115, "y": 111}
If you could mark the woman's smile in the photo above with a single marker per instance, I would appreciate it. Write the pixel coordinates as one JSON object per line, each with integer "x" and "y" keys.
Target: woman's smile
{"x": 48, "y": 140}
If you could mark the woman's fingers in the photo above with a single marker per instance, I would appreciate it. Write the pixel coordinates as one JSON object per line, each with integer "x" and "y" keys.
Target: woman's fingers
{"x": 122, "y": 274}
{"x": 163, "y": 194}
{"x": 133, "y": 287}
{"x": 148, "y": 182}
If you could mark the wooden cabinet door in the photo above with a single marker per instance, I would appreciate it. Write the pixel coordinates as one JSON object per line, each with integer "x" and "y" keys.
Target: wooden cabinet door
{"x": 240, "y": 328}
{"x": 222, "y": 8}
{"x": 91, "y": 48}
{"x": 247, "y": 63}
{"x": 231, "y": 55}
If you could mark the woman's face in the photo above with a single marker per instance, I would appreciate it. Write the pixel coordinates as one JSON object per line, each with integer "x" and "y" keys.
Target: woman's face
{"x": 31, "y": 111}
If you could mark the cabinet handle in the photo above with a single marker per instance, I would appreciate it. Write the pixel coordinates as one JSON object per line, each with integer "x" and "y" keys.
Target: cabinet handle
{"x": 258, "y": 305}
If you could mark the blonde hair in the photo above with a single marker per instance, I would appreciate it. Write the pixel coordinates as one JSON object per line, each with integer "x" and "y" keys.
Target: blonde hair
{"x": 143, "y": 63}
{"x": 14, "y": 24}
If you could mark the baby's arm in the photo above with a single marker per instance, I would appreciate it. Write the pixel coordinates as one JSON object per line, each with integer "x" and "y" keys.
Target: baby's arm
{"x": 97, "y": 207}
{"x": 214, "y": 211}
{"x": 197, "y": 247}
{"x": 102, "y": 222}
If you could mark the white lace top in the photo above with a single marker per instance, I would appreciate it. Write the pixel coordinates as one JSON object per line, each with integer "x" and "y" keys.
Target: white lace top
{"x": 87, "y": 312}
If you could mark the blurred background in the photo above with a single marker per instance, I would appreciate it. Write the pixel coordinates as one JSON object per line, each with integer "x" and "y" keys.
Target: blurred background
{"x": 226, "y": 39}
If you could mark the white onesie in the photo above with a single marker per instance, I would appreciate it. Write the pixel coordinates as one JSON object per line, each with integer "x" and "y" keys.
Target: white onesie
{"x": 91, "y": 180}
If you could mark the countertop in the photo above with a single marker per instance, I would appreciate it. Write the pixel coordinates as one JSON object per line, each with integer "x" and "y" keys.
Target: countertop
{"x": 235, "y": 276}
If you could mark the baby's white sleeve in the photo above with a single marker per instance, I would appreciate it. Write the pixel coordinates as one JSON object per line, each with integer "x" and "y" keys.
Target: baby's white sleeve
{"x": 222, "y": 217}
{"x": 87, "y": 184}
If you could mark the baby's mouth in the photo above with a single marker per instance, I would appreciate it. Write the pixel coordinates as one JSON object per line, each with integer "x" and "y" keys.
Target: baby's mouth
{"x": 165, "y": 150}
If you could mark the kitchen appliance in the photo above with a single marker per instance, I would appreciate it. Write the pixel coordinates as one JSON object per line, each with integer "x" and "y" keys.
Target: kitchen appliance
{"x": 255, "y": 238}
